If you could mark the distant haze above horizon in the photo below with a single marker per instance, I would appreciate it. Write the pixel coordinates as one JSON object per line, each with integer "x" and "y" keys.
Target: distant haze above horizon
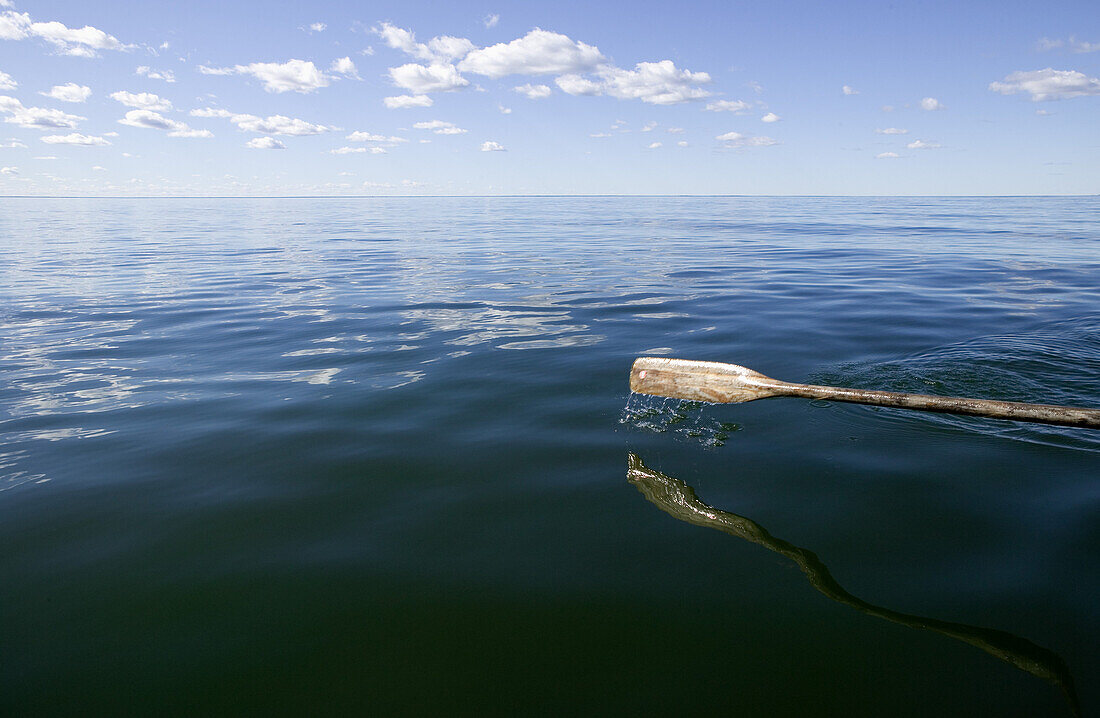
{"x": 788, "y": 98}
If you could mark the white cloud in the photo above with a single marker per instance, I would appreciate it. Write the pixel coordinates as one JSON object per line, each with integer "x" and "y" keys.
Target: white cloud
{"x": 7, "y": 82}
{"x": 577, "y": 85}
{"x": 9, "y": 171}
{"x": 658, "y": 83}
{"x": 653, "y": 145}
{"x": 1075, "y": 45}
{"x": 930, "y": 104}
{"x": 36, "y": 118}
{"x": 360, "y": 136}
{"x": 648, "y": 127}
{"x": 290, "y": 76}
{"x": 79, "y": 42}
{"x": 849, "y": 90}
{"x": 265, "y": 143}
{"x": 600, "y": 134}
{"x": 737, "y": 140}
{"x": 770, "y": 117}
{"x": 359, "y": 150}
{"x": 344, "y": 66}
{"x": 420, "y": 79}
{"x": 887, "y": 156}
{"x": 539, "y": 52}
{"x": 273, "y": 125}
{"x": 318, "y": 27}
{"x": 439, "y": 50}
{"x": 11, "y": 144}
{"x": 734, "y": 106}
{"x": 533, "y": 92}
{"x": 439, "y": 127}
{"x": 166, "y": 75}
{"x": 142, "y": 100}
{"x": 407, "y": 101}
{"x": 891, "y": 131}
{"x": 675, "y": 130}
{"x": 491, "y": 146}
{"x": 155, "y": 121}
{"x": 1048, "y": 84}
{"x": 75, "y": 139}
{"x": 922, "y": 145}
{"x": 491, "y": 20}
{"x": 69, "y": 92}
{"x": 504, "y": 110}
{"x": 682, "y": 143}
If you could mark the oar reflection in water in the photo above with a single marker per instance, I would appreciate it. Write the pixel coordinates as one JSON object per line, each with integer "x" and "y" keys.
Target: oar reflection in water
{"x": 678, "y": 499}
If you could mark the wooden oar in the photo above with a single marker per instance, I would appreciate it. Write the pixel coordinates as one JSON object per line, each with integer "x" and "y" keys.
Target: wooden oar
{"x": 728, "y": 383}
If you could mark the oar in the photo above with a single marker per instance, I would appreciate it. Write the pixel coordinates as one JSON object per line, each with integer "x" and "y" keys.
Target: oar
{"x": 729, "y": 383}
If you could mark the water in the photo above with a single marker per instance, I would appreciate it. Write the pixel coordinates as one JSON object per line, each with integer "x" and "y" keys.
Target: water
{"x": 369, "y": 456}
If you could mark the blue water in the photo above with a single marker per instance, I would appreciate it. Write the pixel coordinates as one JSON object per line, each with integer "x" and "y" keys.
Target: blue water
{"x": 369, "y": 456}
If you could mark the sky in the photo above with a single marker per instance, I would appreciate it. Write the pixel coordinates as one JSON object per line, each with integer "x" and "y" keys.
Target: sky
{"x": 276, "y": 98}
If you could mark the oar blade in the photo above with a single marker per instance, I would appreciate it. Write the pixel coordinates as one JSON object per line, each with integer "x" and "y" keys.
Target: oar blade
{"x": 712, "y": 382}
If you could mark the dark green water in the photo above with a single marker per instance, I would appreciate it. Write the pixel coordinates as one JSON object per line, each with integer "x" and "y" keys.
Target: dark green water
{"x": 369, "y": 457}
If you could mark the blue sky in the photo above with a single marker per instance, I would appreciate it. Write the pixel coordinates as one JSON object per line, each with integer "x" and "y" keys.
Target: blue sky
{"x": 280, "y": 98}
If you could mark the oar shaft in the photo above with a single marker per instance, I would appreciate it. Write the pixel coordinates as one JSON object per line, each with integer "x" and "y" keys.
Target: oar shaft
{"x": 1012, "y": 410}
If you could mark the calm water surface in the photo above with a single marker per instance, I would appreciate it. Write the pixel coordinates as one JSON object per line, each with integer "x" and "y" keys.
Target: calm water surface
{"x": 370, "y": 456}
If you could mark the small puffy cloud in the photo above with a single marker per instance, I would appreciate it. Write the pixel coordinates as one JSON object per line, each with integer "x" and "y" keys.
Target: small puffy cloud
{"x": 290, "y": 76}
{"x": 887, "y": 156}
{"x": 539, "y": 52}
{"x": 533, "y": 92}
{"x": 738, "y": 140}
{"x": 69, "y": 92}
{"x": 491, "y": 20}
{"x": 1048, "y": 84}
{"x": 166, "y": 75}
{"x": 770, "y": 117}
{"x": 491, "y": 146}
{"x": 657, "y": 83}
{"x": 577, "y": 85}
{"x": 439, "y": 50}
{"x": 504, "y": 110}
{"x": 11, "y": 144}
{"x": 439, "y": 127}
{"x": 344, "y": 66}
{"x": 265, "y": 143}
{"x": 849, "y": 90}
{"x": 7, "y": 82}
{"x": 155, "y": 121}
{"x": 317, "y": 27}
{"x": 79, "y": 42}
{"x": 360, "y": 136}
{"x": 406, "y": 101}
{"x": 922, "y": 145}
{"x": 682, "y": 143}
{"x": 359, "y": 151}
{"x": 36, "y": 118}
{"x": 142, "y": 100}
{"x": 735, "y": 106}
{"x": 421, "y": 79}
{"x": 675, "y": 130}
{"x": 75, "y": 139}
{"x": 273, "y": 125}
{"x": 648, "y": 127}
{"x": 891, "y": 131}
{"x": 9, "y": 171}
{"x": 931, "y": 104}
{"x": 653, "y": 145}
